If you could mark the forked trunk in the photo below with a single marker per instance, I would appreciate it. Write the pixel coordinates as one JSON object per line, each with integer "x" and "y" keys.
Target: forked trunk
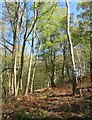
{"x": 32, "y": 50}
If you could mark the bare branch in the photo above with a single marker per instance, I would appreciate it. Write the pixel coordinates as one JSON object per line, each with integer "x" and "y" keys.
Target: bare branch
{"x": 6, "y": 47}
{"x": 6, "y": 41}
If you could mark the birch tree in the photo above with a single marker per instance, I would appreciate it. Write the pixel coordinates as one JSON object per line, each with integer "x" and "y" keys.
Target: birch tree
{"x": 15, "y": 34}
{"x": 71, "y": 47}
{"x": 15, "y": 16}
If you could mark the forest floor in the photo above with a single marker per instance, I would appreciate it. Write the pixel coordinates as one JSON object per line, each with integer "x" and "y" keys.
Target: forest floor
{"x": 57, "y": 103}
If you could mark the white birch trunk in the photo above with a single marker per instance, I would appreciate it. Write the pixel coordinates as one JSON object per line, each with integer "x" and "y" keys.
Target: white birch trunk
{"x": 71, "y": 47}
{"x": 29, "y": 73}
{"x": 9, "y": 85}
{"x": 15, "y": 82}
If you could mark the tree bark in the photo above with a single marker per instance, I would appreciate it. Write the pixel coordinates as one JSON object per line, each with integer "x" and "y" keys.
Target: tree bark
{"x": 9, "y": 84}
{"x": 29, "y": 68}
{"x": 3, "y": 85}
{"x": 80, "y": 81}
{"x": 91, "y": 40}
{"x": 53, "y": 69}
{"x": 14, "y": 64}
{"x": 64, "y": 58}
{"x": 71, "y": 47}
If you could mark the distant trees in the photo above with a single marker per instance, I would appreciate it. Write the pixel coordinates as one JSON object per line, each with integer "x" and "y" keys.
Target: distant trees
{"x": 85, "y": 26}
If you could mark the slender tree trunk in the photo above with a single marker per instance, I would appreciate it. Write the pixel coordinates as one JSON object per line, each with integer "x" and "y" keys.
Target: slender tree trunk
{"x": 21, "y": 68}
{"x": 14, "y": 65}
{"x": 33, "y": 76}
{"x": 12, "y": 85}
{"x": 15, "y": 36}
{"x": 3, "y": 86}
{"x": 80, "y": 81}
{"x": 55, "y": 75}
{"x": 64, "y": 57}
{"x": 34, "y": 70}
{"x": 21, "y": 65}
{"x": 79, "y": 63}
{"x": 29, "y": 68}
{"x": 5, "y": 66}
{"x": 1, "y": 97}
{"x": 71, "y": 48}
{"x": 18, "y": 59}
{"x": 91, "y": 60}
{"x": 9, "y": 84}
{"x": 32, "y": 81}
{"x": 67, "y": 69}
{"x": 53, "y": 70}
{"x": 14, "y": 55}
{"x": 91, "y": 40}
{"x": 48, "y": 76}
